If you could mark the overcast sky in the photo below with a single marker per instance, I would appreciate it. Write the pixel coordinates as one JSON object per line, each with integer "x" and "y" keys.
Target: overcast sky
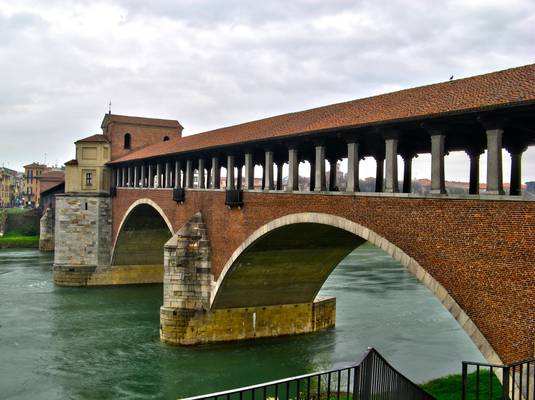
{"x": 215, "y": 63}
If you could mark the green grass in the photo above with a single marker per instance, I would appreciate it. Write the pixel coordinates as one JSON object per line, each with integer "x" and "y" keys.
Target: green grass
{"x": 12, "y": 240}
{"x": 16, "y": 210}
{"x": 449, "y": 387}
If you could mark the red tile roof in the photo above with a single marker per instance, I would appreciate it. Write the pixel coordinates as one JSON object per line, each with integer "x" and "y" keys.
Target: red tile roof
{"x": 99, "y": 138}
{"x": 52, "y": 175}
{"x": 72, "y": 162}
{"x": 125, "y": 119}
{"x": 35, "y": 165}
{"x": 515, "y": 86}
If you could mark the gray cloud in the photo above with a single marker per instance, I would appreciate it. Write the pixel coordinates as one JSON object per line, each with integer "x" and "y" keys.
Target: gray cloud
{"x": 209, "y": 63}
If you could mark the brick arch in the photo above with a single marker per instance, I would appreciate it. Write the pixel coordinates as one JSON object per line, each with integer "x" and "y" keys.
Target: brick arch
{"x": 150, "y": 206}
{"x": 379, "y": 241}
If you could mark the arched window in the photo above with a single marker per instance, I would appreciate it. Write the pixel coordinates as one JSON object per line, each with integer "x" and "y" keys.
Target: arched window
{"x": 165, "y": 138}
{"x": 127, "y": 141}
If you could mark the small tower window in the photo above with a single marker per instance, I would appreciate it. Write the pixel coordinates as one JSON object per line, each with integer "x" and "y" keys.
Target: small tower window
{"x": 88, "y": 179}
{"x": 127, "y": 141}
{"x": 165, "y": 138}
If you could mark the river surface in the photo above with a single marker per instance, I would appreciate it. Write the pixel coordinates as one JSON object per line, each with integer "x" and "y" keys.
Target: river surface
{"x": 102, "y": 343}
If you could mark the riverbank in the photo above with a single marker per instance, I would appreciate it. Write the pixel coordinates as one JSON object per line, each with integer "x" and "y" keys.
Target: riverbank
{"x": 15, "y": 241}
{"x": 449, "y": 387}
{"x": 20, "y": 229}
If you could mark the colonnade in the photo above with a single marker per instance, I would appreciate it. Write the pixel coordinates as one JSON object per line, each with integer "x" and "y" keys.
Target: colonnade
{"x": 179, "y": 171}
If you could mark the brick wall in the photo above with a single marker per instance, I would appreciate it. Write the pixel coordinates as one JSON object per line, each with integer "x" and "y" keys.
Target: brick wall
{"x": 141, "y": 136}
{"x": 481, "y": 251}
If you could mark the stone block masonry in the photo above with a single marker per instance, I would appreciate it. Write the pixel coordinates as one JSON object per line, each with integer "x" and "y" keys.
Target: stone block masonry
{"x": 82, "y": 236}
{"x": 188, "y": 327}
{"x": 46, "y": 234}
{"x": 186, "y": 317}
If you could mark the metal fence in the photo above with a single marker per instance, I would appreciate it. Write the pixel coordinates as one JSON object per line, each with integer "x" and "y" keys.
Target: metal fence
{"x": 499, "y": 382}
{"x": 371, "y": 378}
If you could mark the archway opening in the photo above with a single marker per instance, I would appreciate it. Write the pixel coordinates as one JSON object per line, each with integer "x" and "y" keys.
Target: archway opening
{"x": 141, "y": 238}
{"x": 288, "y": 260}
{"x": 286, "y": 266}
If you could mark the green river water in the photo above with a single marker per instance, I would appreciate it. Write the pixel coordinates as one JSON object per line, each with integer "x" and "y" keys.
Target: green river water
{"x": 102, "y": 343}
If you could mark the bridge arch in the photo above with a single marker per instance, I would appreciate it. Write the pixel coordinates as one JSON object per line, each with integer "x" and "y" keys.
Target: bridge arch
{"x": 345, "y": 229}
{"x": 143, "y": 231}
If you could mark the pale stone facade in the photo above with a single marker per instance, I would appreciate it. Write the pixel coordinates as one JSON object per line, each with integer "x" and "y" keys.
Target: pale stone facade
{"x": 83, "y": 237}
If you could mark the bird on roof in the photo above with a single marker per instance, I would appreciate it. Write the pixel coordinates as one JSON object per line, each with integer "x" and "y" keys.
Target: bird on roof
{"x": 451, "y": 77}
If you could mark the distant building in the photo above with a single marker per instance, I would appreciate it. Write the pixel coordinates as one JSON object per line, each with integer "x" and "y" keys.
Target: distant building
{"x": 51, "y": 182}
{"x": 87, "y": 173}
{"x": 9, "y": 187}
{"x": 30, "y": 194}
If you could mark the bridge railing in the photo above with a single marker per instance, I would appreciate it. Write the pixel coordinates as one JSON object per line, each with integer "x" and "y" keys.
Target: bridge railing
{"x": 504, "y": 382}
{"x": 372, "y": 377}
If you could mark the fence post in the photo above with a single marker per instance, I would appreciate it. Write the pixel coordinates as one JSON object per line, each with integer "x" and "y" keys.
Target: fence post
{"x": 505, "y": 383}
{"x": 356, "y": 383}
{"x": 464, "y": 379}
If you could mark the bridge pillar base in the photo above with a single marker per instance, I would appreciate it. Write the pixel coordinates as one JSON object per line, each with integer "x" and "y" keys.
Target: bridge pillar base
{"x": 107, "y": 275}
{"x": 181, "y": 326}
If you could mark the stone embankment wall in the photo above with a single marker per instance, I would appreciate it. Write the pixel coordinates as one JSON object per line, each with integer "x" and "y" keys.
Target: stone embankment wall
{"x": 46, "y": 235}
{"x": 3, "y": 222}
{"x": 83, "y": 237}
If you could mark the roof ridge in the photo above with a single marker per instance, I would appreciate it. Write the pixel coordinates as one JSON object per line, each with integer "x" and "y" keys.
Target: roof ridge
{"x": 367, "y": 98}
{"x": 492, "y": 90}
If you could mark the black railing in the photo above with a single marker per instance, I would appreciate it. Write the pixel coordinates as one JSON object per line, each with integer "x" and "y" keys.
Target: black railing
{"x": 371, "y": 378}
{"x": 483, "y": 381}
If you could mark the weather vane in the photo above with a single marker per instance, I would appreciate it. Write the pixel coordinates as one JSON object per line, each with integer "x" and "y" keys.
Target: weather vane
{"x": 109, "y": 108}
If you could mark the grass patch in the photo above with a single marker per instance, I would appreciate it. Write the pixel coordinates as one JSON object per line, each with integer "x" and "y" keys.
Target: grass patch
{"x": 449, "y": 387}
{"x": 12, "y": 241}
{"x": 16, "y": 210}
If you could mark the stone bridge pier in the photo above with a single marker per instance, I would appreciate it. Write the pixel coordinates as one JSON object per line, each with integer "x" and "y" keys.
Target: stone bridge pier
{"x": 277, "y": 280}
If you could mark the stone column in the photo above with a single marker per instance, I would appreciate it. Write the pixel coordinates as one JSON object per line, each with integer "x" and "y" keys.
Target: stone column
{"x": 117, "y": 177}
{"x": 516, "y": 151}
{"x": 352, "y": 167}
{"x": 129, "y": 182}
{"x": 216, "y": 173}
{"x": 268, "y": 171}
{"x": 230, "y": 173}
{"x": 142, "y": 175}
{"x": 473, "y": 185}
{"x": 279, "y": 176}
{"x": 438, "y": 182}
{"x": 167, "y": 171}
{"x": 200, "y": 174}
{"x": 209, "y": 175}
{"x": 293, "y": 170}
{"x": 320, "y": 169}
{"x": 239, "y": 178}
{"x": 332, "y": 174}
{"x": 391, "y": 178}
{"x": 177, "y": 175}
{"x": 189, "y": 174}
{"x": 151, "y": 177}
{"x": 136, "y": 177}
{"x": 312, "y": 179}
{"x": 379, "y": 172}
{"x": 407, "y": 171}
{"x": 249, "y": 171}
{"x": 494, "y": 161}
{"x": 158, "y": 181}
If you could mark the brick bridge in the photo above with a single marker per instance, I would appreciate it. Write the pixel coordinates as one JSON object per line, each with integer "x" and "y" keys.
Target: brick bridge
{"x": 246, "y": 259}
